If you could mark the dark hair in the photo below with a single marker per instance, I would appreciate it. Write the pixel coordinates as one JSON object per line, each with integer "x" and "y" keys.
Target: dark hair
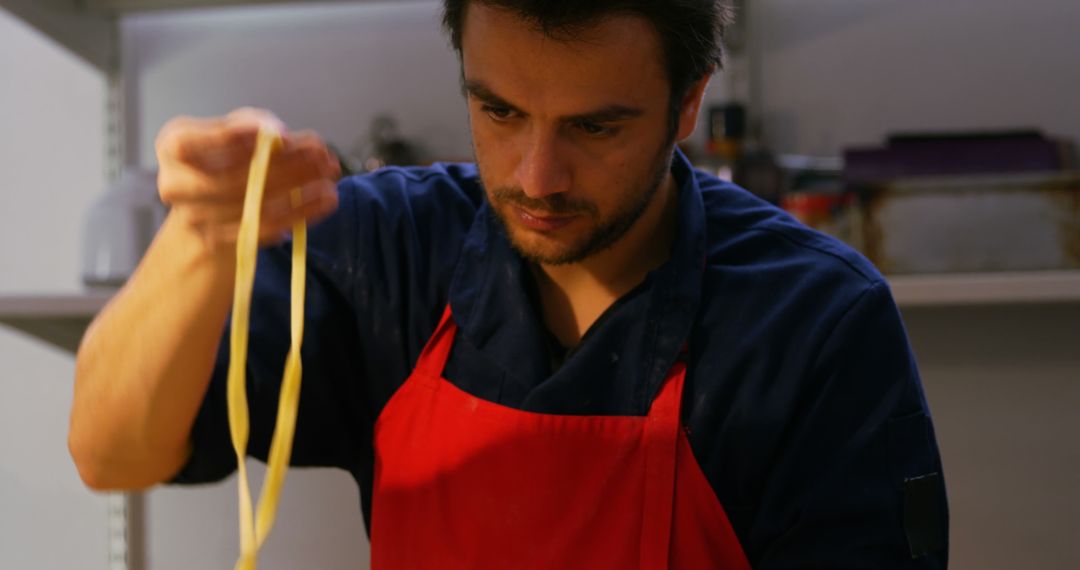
{"x": 691, "y": 31}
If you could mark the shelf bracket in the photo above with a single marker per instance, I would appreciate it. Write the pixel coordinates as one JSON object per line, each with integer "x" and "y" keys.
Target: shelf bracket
{"x": 89, "y": 34}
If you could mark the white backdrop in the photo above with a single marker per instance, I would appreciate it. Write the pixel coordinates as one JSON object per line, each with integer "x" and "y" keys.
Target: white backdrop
{"x": 1001, "y": 382}
{"x": 837, "y": 72}
{"x": 51, "y": 168}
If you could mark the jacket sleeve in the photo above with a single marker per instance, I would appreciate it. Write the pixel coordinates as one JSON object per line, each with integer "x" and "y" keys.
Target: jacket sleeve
{"x": 325, "y": 430}
{"x": 857, "y": 482}
{"x": 377, "y": 274}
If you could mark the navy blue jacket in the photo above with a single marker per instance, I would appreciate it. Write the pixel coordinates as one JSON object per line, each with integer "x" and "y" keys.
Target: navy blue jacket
{"x": 803, "y": 404}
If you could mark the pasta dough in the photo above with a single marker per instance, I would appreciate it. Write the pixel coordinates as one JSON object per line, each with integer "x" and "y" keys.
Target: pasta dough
{"x": 255, "y": 529}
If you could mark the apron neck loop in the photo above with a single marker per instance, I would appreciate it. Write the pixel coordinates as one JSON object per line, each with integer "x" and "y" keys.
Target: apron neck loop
{"x": 433, "y": 359}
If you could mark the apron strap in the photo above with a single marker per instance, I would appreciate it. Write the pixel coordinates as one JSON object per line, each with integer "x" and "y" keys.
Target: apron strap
{"x": 661, "y": 443}
{"x": 436, "y": 352}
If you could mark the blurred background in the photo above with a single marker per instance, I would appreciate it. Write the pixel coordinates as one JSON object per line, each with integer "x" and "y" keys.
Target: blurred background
{"x": 936, "y": 137}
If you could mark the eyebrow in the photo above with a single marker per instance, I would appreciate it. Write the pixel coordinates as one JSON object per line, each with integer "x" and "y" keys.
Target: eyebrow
{"x": 606, "y": 114}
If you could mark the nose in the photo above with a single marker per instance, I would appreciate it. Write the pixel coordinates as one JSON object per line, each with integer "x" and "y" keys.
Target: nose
{"x": 543, "y": 169}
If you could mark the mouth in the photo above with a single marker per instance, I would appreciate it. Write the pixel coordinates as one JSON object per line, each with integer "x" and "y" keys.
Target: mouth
{"x": 542, "y": 222}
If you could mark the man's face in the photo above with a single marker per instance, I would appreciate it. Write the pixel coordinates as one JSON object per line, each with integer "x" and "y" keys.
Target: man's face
{"x": 571, "y": 137}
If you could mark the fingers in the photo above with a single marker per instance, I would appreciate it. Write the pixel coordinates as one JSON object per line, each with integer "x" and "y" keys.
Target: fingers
{"x": 272, "y": 207}
{"x": 275, "y": 230}
{"x": 311, "y": 212}
{"x": 286, "y": 209}
{"x": 220, "y": 225}
{"x": 260, "y": 117}
{"x": 215, "y": 144}
{"x": 205, "y": 165}
{"x": 302, "y": 159}
{"x": 210, "y": 144}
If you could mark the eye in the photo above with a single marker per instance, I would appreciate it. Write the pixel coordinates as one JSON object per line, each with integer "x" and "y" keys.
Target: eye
{"x": 596, "y": 130}
{"x": 499, "y": 114}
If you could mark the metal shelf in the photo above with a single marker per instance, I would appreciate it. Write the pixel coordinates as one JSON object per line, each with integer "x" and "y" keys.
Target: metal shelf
{"x": 130, "y": 6}
{"x": 61, "y": 319}
{"x": 89, "y": 28}
{"x": 58, "y": 319}
{"x": 986, "y": 288}
{"x": 90, "y": 34}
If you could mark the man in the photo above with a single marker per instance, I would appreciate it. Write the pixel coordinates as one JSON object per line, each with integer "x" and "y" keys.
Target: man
{"x": 579, "y": 353}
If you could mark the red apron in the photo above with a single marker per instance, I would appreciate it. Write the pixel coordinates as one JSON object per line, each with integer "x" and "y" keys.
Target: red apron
{"x": 463, "y": 483}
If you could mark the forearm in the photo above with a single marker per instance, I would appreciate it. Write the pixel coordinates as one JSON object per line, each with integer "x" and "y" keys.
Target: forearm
{"x": 143, "y": 368}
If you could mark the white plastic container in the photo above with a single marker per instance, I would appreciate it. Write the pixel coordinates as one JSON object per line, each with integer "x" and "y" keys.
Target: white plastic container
{"x": 119, "y": 228}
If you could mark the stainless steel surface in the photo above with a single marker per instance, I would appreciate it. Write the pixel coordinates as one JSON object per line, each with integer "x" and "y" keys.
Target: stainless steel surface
{"x": 985, "y": 224}
{"x": 126, "y": 529}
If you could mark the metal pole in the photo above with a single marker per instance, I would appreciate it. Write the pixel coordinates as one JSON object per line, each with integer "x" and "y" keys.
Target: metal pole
{"x": 125, "y": 510}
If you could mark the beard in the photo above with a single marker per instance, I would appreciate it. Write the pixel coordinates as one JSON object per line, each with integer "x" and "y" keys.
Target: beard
{"x": 605, "y": 231}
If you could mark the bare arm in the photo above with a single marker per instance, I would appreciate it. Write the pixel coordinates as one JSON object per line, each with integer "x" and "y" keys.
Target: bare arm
{"x": 145, "y": 363}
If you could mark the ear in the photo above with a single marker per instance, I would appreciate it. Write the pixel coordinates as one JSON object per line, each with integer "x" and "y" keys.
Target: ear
{"x": 691, "y": 106}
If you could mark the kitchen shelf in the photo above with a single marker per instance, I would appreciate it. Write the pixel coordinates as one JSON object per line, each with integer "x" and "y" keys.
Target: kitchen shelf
{"x": 90, "y": 34}
{"x": 986, "y": 288}
{"x": 61, "y": 319}
{"x": 129, "y": 6}
{"x": 89, "y": 27}
{"x": 58, "y": 319}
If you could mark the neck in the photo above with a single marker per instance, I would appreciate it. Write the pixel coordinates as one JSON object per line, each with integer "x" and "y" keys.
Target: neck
{"x": 575, "y": 295}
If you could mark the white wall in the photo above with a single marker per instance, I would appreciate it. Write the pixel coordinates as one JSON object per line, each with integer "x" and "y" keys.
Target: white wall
{"x": 838, "y": 72}
{"x": 318, "y": 525}
{"x": 1003, "y": 385}
{"x": 51, "y": 168}
{"x": 327, "y": 67}
{"x": 1001, "y": 382}
{"x": 835, "y": 72}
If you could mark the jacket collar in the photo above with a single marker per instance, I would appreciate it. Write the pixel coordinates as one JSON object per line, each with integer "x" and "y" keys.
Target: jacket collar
{"x": 647, "y": 328}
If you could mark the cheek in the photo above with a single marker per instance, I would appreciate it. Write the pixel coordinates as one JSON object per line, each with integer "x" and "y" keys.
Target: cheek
{"x": 617, "y": 182}
{"x": 493, "y": 152}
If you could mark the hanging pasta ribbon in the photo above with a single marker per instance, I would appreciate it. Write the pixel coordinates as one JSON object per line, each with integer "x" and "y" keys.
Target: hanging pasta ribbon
{"x": 255, "y": 529}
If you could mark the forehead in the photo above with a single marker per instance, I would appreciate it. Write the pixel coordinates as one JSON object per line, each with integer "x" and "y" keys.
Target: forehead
{"x": 619, "y": 55}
